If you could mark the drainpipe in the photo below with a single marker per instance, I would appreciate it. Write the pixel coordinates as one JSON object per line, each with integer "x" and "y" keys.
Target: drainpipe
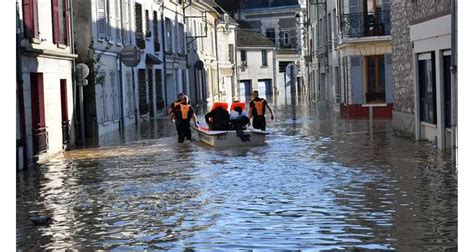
{"x": 186, "y": 48}
{"x": 164, "y": 56}
{"x": 217, "y": 60}
{"x": 454, "y": 81}
{"x": 74, "y": 83}
{"x": 122, "y": 119}
{"x": 19, "y": 83}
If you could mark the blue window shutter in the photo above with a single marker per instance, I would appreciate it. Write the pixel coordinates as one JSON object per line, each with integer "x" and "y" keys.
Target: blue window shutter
{"x": 101, "y": 19}
{"x": 388, "y": 79}
{"x": 356, "y": 80}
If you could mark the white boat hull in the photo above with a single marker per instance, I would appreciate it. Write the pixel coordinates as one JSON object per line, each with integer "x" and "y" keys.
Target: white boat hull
{"x": 228, "y": 138}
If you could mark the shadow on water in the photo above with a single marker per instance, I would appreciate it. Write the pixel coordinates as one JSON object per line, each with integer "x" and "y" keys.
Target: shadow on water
{"x": 321, "y": 182}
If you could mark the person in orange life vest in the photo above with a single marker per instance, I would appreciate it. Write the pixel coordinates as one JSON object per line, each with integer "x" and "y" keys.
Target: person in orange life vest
{"x": 257, "y": 111}
{"x": 173, "y": 105}
{"x": 184, "y": 113}
{"x": 218, "y": 119}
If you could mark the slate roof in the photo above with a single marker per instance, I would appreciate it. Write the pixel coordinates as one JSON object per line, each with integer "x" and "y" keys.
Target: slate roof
{"x": 246, "y": 38}
{"x": 221, "y": 11}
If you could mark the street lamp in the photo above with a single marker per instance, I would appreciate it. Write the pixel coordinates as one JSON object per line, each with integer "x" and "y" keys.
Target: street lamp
{"x": 298, "y": 18}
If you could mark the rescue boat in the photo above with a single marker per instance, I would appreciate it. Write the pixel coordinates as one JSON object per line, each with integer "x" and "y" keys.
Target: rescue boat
{"x": 229, "y": 138}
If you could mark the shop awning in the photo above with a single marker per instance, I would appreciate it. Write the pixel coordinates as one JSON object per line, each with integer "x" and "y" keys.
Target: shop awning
{"x": 151, "y": 59}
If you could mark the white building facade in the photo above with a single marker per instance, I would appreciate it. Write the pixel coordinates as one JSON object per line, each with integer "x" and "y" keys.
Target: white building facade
{"x": 45, "y": 90}
{"x": 256, "y": 64}
{"x": 277, "y": 21}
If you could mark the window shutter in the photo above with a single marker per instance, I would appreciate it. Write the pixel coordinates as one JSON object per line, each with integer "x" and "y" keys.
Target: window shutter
{"x": 140, "y": 39}
{"x": 56, "y": 35}
{"x": 156, "y": 42}
{"x": 110, "y": 21}
{"x": 35, "y": 19}
{"x": 28, "y": 18}
{"x": 125, "y": 22}
{"x": 118, "y": 22}
{"x": 67, "y": 22}
{"x": 101, "y": 19}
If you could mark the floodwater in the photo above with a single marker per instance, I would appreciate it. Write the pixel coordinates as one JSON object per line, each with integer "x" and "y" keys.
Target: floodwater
{"x": 320, "y": 183}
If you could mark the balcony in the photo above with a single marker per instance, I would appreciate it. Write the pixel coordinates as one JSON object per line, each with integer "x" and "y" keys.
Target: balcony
{"x": 359, "y": 25}
{"x": 40, "y": 141}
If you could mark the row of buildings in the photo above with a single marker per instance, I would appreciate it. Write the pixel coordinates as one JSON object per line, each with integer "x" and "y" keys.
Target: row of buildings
{"x": 185, "y": 46}
{"x": 396, "y": 55}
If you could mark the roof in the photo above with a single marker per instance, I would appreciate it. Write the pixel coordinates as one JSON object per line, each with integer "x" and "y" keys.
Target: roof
{"x": 221, "y": 11}
{"x": 246, "y": 38}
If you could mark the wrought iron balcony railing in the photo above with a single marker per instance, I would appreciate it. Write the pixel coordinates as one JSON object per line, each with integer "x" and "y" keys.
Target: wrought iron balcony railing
{"x": 66, "y": 134}
{"x": 357, "y": 25}
{"x": 40, "y": 141}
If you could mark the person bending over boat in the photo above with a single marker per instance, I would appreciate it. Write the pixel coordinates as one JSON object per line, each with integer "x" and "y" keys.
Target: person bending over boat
{"x": 183, "y": 114}
{"x": 218, "y": 119}
{"x": 238, "y": 120}
{"x": 257, "y": 111}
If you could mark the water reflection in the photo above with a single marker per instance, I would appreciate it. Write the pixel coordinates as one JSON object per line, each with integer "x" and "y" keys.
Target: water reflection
{"x": 320, "y": 183}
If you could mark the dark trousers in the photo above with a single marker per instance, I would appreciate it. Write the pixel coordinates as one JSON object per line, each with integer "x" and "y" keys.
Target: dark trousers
{"x": 259, "y": 122}
{"x": 184, "y": 130}
{"x": 239, "y": 124}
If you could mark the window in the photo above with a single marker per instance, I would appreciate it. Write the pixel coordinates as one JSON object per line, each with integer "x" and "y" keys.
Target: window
{"x": 147, "y": 24}
{"x": 264, "y": 58}
{"x": 181, "y": 38}
{"x": 286, "y": 38}
{"x": 175, "y": 35}
{"x": 195, "y": 33}
{"x": 270, "y": 33}
{"x": 427, "y": 86}
{"x": 213, "y": 44}
{"x": 142, "y": 97}
{"x": 102, "y": 19}
{"x": 60, "y": 16}
{"x": 447, "y": 88}
{"x": 160, "y": 104}
{"x": 30, "y": 18}
{"x": 375, "y": 72}
{"x": 140, "y": 39}
{"x": 150, "y": 91}
{"x": 156, "y": 41}
{"x": 118, "y": 22}
{"x": 169, "y": 40}
{"x": 201, "y": 45}
{"x": 183, "y": 81}
{"x": 329, "y": 29}
{"x": 231, "y": 53}
{"x": 114, "y": 90}
{"x": 109, "y": 21}
{"x": 125, "y": 22}
{"x": 243, "y": 56}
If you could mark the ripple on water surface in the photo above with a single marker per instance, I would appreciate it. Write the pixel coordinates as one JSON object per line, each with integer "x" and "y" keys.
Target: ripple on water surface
{"x": 321, "y": 183}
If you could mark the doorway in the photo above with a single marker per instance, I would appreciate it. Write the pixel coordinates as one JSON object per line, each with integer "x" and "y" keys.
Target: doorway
{"x": 38, "y": 120}
{"x": 375, "y": 79}
{"x": 64, "y": 111}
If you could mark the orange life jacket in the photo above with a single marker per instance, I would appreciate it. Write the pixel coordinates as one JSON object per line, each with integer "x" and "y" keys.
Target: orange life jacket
{"x": 259, "y": 107}
{"x": 184, "y": 111}
{"x": 223, "y": 105}
{"x": 237, "y": 104}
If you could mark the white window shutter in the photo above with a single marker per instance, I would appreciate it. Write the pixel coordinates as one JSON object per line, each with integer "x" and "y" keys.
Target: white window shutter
{"x": 125, "y": 22}
{"x": 110, "y": 22}
{"x": 118, "y": 22}
{"x": 101, "y": 19}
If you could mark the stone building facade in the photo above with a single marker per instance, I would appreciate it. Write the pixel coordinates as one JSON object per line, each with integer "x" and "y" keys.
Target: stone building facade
{"x": 405, "y": 12}
{"x": 421, "y": 32}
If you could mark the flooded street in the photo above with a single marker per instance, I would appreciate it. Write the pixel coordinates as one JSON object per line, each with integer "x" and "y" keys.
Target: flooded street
{"x": 320, "y": 183}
